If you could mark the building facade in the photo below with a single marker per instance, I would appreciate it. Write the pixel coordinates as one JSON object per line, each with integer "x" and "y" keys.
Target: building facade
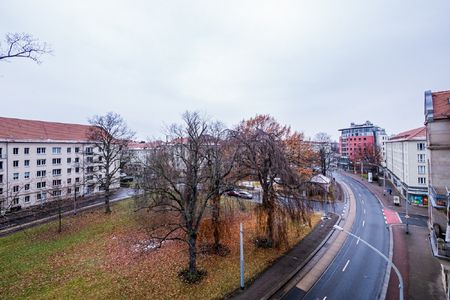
{"x": 41, "y": 161}
{"x": 359, "y": 139}
{"x": 406, "y": 165}
{"x": 437, "y": 122}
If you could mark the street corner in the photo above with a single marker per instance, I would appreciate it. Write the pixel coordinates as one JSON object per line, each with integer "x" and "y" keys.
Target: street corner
{"x": 391, "y": 216}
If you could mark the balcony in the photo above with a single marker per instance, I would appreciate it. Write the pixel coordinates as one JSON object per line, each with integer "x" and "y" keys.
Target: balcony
{"x": 439, "y": 245}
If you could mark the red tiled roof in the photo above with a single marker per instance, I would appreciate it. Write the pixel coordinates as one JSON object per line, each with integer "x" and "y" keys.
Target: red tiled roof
{"x": 410, "y": 134}
{"x": 18, "y": 129}
{"x": 441, "y": 105}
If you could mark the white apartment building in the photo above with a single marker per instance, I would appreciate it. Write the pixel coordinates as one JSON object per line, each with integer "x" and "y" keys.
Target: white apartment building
{"x": 41, "y": 161}
{"x": 407, "y": 165}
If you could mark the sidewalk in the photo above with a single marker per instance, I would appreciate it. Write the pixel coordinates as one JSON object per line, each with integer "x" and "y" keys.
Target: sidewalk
{"x": 387, "y": 200}
{"x": 282, "y": 270}
{"x": 421, "y": 272}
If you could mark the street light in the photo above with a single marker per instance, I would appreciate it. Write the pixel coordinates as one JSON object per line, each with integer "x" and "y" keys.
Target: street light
{"x": 400, "y": 279}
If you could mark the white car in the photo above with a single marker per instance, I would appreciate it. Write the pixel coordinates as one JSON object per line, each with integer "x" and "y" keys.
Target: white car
{"x": 245, "y": 195}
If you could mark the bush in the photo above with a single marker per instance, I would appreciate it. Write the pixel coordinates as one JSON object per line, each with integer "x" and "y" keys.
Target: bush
{"x": 262, "y": 242}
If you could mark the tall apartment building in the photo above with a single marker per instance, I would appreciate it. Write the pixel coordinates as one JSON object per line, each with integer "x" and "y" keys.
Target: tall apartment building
{"x": 437, "y": 122}
{"x": 40, "y": 161}
{"x": 406, "y": 164}
{"x": 360, "y": 138}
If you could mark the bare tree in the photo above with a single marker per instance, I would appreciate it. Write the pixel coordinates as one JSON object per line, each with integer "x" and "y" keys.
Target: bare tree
{"x": 221, "y": 158}
{"x": 326, "y": 155}
{"x": 263, "y": 157}
{"x": 109, "y": 136}
{"x": 23, "y": 45}
{"x": 181, "y": 178}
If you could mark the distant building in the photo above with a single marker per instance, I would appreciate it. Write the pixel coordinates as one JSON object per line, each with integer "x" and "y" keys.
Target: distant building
{"x": 358, "y": 139}
{"x": 406, "y": 164}
{"x": 437, "y": 122}
{"x": 40, "y": 161}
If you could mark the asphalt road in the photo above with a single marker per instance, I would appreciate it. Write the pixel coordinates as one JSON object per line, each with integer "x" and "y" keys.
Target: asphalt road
{"x": 357, "y": 272}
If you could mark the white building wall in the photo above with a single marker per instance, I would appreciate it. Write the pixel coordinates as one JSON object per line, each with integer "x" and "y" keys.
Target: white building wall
{"x": 23, "y": 167}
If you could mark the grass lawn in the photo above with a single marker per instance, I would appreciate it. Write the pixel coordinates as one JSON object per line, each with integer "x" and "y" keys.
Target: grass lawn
{"x": 100, "y": 256}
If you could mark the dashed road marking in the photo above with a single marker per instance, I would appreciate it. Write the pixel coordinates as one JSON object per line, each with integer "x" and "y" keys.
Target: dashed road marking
{"x": 357, "y": 241}
{"x": 364, "y": 222}
{"x": 324, "y": 298}
{"x": 345, "y": 267}
{"x": 364, "y": 211}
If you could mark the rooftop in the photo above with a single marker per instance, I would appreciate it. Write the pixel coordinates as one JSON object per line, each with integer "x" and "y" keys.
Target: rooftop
{"x": 413, "y": 134}
{"x": 19, "y": 129}
{"x": 441, "y": 105}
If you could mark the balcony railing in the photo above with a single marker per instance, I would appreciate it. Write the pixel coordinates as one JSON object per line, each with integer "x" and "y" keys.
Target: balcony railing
{"x": 441, "y": 248}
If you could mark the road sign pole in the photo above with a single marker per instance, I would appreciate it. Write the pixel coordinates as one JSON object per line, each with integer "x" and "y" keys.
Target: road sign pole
{"x": 241, "y": 240}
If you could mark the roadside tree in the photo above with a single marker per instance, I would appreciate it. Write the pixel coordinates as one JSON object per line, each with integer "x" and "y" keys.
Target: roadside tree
{"x": 109, "y": 137}
{"x": 23, "y": 45}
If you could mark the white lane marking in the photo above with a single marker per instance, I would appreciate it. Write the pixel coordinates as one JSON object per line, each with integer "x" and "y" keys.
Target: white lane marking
{"x": 345, "y": 267}
{"x": 357, "y": 241}
{"x": 362, "y": 201}
{"x": 364, "y": 211}
{"x": 364, "y": 222}
{"x": 324, "y": 298}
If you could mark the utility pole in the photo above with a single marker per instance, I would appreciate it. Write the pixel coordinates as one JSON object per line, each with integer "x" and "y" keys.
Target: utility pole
{"x": 241, "y": 240}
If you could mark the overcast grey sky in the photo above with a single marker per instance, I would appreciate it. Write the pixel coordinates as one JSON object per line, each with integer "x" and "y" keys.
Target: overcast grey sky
{"x": 316, "y": 65}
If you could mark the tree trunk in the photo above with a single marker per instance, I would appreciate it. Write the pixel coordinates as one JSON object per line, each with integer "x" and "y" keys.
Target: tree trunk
{"x": 192, "y": 253}
{"x": 107, "y": 207}
{"x": 216, "y": 221}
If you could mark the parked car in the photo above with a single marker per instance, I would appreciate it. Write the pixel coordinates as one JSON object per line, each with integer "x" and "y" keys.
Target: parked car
{"x": 233, "y": 193}
{"x": 245, "y": 195}
{"x": 240, "y": 194}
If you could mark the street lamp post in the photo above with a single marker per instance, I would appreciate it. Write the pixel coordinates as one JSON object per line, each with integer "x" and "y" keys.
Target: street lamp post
{"x": 400, "y": 279}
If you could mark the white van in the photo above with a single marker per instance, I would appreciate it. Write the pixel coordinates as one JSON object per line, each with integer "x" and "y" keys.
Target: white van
{"x": 397, "y": 200}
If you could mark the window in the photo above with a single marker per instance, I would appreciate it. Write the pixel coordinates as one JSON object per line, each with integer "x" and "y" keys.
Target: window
{"x": 90, "y": 159}
{"x": 421, "y": 158}
{"x": 77, "y": 149}
{"x": 41, "y": 185}
{"x": 15, "y": 151}
{"x": 26, "y": 150}
{"x": 89, "y": 177}
{"x": 90, "y": 170}
{"x": 421, "y": 169}
{"x": 15, "y": 176}
{"x": 15, "y": 201}
{"x": 89, "y": 150}
{"x": 26, "y": 175}
{"x": 1, "y": 152}
{"x": 15, "y": 189}
{"x": 56, "y": 161}
{"x": 27, "y": 199}
{"x": 40, "y": 150}
{"x": 42, "y": 173}
{"x": 69, "y": 180}
{"x": 69, "y": 191}
{"x": 56, "y": 150}
{"x": 26, "y": 162}
{"x": 41, "y": 196}
{"x": 1, "y": 191}
{"x": 77, "y": 170}
{"x": 69, "y": 170}
{"x": 100, "y": 158}
{"x": 15, "y": 163}
{"x": 420, "y": 146}
{"x": 422, "y": 180}
{"x": 1, "y": 165}
{"x": 69, "y": 150}
{"x": 77, "y": 189}
{"x": 40, "y": 162}
{"x": 56, "y": 193}
{"x": 26, "y": 187}
{"x": 69, "y": 160}
{"x": 77, "y": 179}
{"x": 57, "y": 182}
{"x": 56, "y": 172}
{"x": 1, "y": 178}
{"x": 77, "y": 159}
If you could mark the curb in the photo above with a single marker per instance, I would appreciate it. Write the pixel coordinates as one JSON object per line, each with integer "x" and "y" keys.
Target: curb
{"x": 286, "y": 280}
